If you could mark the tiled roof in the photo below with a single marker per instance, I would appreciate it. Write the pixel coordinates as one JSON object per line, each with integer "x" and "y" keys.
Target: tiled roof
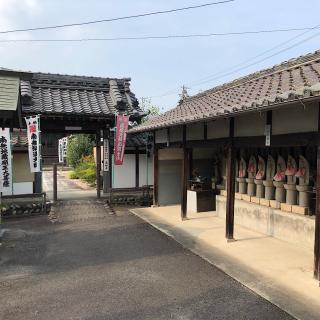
{"x": 292, "y": 80}
{"x": 19, "y": 138}
{"x": 57, "y": 94}
{"x": 133, "y": 140}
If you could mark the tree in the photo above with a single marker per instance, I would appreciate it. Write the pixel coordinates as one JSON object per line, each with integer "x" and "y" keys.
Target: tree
{"x": 147, "y": 106}
{"x": 79, "y": 146}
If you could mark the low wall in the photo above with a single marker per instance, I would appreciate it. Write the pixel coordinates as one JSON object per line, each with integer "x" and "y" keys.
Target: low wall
{"x": 293, "y": 228}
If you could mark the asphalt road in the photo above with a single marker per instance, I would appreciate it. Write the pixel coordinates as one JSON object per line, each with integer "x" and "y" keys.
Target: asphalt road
{"x": 93, "y": 265}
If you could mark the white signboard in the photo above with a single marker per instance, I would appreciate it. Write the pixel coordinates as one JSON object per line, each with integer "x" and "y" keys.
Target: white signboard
{"x": 33, "y": 131}
{"x": 5, "y": 162}
{"x": 62, "y": 149}
{"x": 268, "y": 135}
{"x": 106, "y": 154}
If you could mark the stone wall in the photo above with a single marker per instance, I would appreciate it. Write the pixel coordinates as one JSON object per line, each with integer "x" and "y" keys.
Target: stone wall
{"x": 290, "y": 227}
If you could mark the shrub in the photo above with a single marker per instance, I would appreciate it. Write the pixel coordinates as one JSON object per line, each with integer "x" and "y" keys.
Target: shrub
{"x": 86, "y": 169}
{"x": 79, "y": 146}
{"x": 73, "y": 175}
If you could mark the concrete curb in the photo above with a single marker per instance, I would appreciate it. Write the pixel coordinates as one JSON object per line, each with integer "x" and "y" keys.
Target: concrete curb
{"x": 246, "y": 278}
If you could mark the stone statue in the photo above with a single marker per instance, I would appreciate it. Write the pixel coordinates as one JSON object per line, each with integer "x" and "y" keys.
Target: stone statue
{"x": 268, "y": 183}
{"x": 252, "y": 171}
{"x": 259, "y": 177}
{"x": 290, "y": 186}
{"x": 242, "y": 173}
{"x": 303, "y": 174}
{"x": 279, "y": 179}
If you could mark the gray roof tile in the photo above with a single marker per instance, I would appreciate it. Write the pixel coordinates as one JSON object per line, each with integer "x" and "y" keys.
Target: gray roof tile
{"x": 290, "y": 81}
{"x": 54, "y": 94}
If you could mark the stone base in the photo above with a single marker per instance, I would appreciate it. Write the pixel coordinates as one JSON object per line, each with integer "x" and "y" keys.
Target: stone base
{"x": 238, "y": 196}
{"x": 292, "y": 228}
{"x": 286, "y": 207}
{"x": 247, "y": 198}
{"x": 300, "y": 210}
{"x": 255, "y": 200}
{"x": 223, "y": 193}
{"x": 265, "y": 202}
{"x": 275, "y": 204}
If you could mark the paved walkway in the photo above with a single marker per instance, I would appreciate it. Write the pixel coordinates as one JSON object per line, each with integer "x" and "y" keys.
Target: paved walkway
{"x": 67, "y": 188}
{"x": 277, "y": 270}
{"x": 94, "y": 265}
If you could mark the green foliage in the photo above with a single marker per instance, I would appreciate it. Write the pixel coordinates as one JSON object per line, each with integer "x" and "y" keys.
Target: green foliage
{"x": 86, "y": 169}
{"x": 79, "y": 146}
{"x": 147, "y": 106}
{"x": 72, "y": 175}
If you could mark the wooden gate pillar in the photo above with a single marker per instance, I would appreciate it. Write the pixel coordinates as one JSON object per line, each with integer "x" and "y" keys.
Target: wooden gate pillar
{"x": 98, "y": 163}
{"x": 55, "y": 183}
{"x": 184, "y": 181}
{"x": 230, "y": 184}
{"x": 155, "y": 176}
{"x": 317, "y": 221}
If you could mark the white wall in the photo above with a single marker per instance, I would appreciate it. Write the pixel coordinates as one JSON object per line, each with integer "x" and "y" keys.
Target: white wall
{"x": 250, "y": 125}
{"x": 295, "y": 119}
{"x": 125, "y": 175}
{"x": 161, "y": 136}
{"x": 218, "y": 129}
{"x": 176, "y": 133}
{"x": 195, "y": 131}
{"x": 143, "y": 170}
{"x": 170, "y": 154}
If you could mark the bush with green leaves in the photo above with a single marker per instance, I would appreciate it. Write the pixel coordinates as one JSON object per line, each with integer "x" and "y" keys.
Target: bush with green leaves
{"x": 79, "y": 146}
{"x": 86, "y": 169}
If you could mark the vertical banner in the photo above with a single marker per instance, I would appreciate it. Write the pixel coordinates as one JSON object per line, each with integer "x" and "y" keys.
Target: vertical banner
{"x": 60, "y": 150}
{"x": 120, "y": 139}
{"x": 33, "y": 131}
{"x": 106, "y": 155}
{"x": 5, "y": 162}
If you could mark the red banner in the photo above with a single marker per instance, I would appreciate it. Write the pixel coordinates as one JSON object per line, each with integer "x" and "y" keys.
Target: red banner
{"x": 120, "y": 139}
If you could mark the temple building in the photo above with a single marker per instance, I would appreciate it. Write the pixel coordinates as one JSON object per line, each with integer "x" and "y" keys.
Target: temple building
{"x": 248, "y": 150}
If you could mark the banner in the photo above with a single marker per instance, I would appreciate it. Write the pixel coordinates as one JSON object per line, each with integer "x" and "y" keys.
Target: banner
{"x": 5, "y": 162}
{"x": 106, "y": 154}
{"x": 33, "y": 131}
{"x": 120, "y": 139}
{"x": 62, "y": 149}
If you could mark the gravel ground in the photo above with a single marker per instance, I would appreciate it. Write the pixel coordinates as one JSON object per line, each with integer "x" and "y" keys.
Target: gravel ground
{"x": 94, "y": 265}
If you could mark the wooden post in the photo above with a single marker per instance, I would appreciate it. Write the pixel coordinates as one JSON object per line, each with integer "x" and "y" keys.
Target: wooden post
{"x": 317, "y": 221}
{"x": 137, "y": 167}
{"x": 184, "y": 182}
{"x": 106, "y": 168}
{"x": 55, "y": 183}
{"x": 98, "y": 164}
{"x": 230, "y": 184}
{"x": 155, "y": 176}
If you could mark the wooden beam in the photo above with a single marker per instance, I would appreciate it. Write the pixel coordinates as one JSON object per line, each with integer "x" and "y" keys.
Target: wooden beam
{"x": 98, "y": 163}
{"x": 317, "y": 221}
{"x": 230, "y": 184}
{"x": 184, "y": 182}
{"x": 205, "y": 131}
{"x": 137, "y": 167}
{"x": 55, "y": 183}
{"x": 155, "y": 176}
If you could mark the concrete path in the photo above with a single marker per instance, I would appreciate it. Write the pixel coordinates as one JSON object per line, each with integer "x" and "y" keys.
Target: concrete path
{"x": 67, "y": 188}
{"x": 93, "y": 265}
{"x": 279, "y": 271}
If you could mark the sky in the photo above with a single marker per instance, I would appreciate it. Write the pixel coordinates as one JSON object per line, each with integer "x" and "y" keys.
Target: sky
{"x": 158, "y": 68}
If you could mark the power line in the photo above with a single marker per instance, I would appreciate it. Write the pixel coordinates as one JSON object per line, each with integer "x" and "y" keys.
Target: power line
{"x": 236, "y": 68}
{"x": 118, "y": 18}
{"x": 183, "y": 36}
